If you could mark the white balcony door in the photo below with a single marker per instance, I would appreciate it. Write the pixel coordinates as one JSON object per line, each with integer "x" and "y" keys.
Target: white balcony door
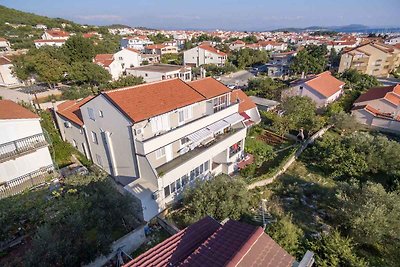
{"x": 168, "y": 152}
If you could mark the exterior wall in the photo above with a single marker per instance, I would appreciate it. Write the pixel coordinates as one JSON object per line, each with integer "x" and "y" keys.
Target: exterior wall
{"x": 318, "y": 98}
{"x": 197, "y": 56}
{"x": 6, "y": 76}
{"x": 366, "y": 118}
{"x": 30, "y": 161}
{"x": 127, "y": 59}
{"x": 152, "y": 76}
{"x": 25, "y": 164}
{"x": 254, "y": 115}
{"x": 380, "y": 104}
{"x": 73, "y": 133}
{"x": 137, "y": 44}
{"x": 114, "y": 138}
{"x": 50, "y": 43}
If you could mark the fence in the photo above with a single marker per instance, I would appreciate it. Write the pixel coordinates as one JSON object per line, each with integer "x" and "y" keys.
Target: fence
{"x": 17, "y": 185}
{"x": 21, "y": 146}
{"x": 290, "y": 160}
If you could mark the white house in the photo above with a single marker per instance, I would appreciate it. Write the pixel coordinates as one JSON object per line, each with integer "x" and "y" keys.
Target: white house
{"x": 161, "y": 49}
{"x": 159, "y": 72}
{"x": 55, "y": 34}
{"x": 322, "y": 88}
{"x": 237, "y": 45}
{"x": 272, "y": 46}
{"x": 4, "y": 45}
{"x": 135, "y": 42}
{"x": 158, "y": 138}
{"x": 7, "y": 77}
{"x": 70, "y": 124}
{"x": 204, "y": 54}
{"x": 53, "y": 42}
{"x": 117, "y": 63}
{"x": 24, "y": 155}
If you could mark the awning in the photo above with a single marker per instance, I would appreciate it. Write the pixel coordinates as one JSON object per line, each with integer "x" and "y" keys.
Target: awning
{"x": 233, "y": 119}
{"x": 218, "y": 126}
{"x": 244, "y": 115}
{"x": 200, "y": 135}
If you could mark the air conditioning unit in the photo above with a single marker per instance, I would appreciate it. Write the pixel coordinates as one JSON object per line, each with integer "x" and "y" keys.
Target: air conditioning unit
{"x": 67, "y": 124}
{"x": 155, "y": 195}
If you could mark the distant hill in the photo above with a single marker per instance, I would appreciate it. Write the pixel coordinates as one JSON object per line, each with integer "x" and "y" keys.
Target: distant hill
{"x": 14, "y": 16}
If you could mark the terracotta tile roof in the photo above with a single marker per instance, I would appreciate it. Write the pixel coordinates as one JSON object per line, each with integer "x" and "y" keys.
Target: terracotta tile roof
{"x": 49, "y": 41}
{"x": 376, "y": 93}
{"x": 104, "y": 59}
{"x": 245, "y": 103}
{"x": 207, "y": 243}
{"x": 4, "y": 61}
{"x": 239, "y": 42}
{"x": 57, "y": 33}
{"x": 212, "y": 49}
{"x": 325, "y": 84}
{"x": 10, "y": 110}
{"x": 392, "y": 98}
{"x": 209, "y": 87}
{"x": 71, "y": 110}
{"x": 155, "y": 46}
{"x": 178, "y": 247}
{"x": 148, "y": 100}
{"x": 3, "y": 39}
{"x": 133, "y": 50}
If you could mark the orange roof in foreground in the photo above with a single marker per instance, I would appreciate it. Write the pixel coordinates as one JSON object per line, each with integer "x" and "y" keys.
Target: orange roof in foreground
{"x": 245, "y": 102}
{"x": 209, "y": 87}
{"x": 10, "y": 110}
{"x": 325, "y": 84}
{"x": 148, "y": 100}
{"x": 71, "y": 110}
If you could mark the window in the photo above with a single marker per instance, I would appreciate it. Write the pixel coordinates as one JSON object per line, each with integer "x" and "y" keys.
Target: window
{"x": 91, "y": 114}
{"x": 206, "y": 166}
{"x": 220, "y": 103}
{"x": 192, "y": 175}
{"x": 94, "y": 137}
{"x": 201, "y": 168}
{"x": 160, "y": 123}
{"x": 172, "y": 187}
{"x": 74, "y": 143}
{"x": 166, "y": 191}
{"x": 185, "y": 180}
{"x": 178, "y": 184}
{"x": 197, "y": 172}
{"x": 160, "y": 152}
{"x": 120, "y": 58}
{"x": 98, "y": 159}
{"x": 101, "y": 115}
{"x": 185, "y": 114}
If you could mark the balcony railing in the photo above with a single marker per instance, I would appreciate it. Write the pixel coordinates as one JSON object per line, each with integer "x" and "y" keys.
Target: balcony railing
{"x": 19, "y": 184}
{"x": 21, "y": 146}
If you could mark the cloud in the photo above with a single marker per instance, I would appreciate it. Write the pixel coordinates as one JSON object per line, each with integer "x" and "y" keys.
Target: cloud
{"x": 100, "y": 17}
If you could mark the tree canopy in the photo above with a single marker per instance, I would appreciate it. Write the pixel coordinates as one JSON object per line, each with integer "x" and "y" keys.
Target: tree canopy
{"x": 265, "y": 87}
{"x": 247, "y": 57}
{"x": 311, "y": 59}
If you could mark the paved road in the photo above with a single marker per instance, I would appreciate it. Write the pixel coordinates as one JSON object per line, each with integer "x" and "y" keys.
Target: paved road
{"x": 239, "y": 78}
{"x": 17, "y": 96}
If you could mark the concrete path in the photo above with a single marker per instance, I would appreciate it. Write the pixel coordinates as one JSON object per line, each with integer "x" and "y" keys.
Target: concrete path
{"x": 239, "y": 78}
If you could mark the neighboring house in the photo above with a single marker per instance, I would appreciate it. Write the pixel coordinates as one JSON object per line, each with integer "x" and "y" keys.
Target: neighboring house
{"x": 323, "y": 88}
{"x": 117, "y": 63}
{"x": 4, "y": 45}
{"x": 55, "y": 42}
{"x": 159, "y": 72}
{"x": 204, "y": 54}
{"x": 135, "y": 42}
{"x": 70, "y": 123}
{"x": 393, "y": 40}
{"x": 247, "y": 108}
{"x": 375, "y": 59}
{"x": 24, "y": 155}
{"x": 149, "y": 59}
{"x": 237, "y": 45}
{"x": 263, "y": 103}
{"x": 160, "y": 49}
{"x": 379, "y": 107}
{"x": 210, "y": 243}
{"x": 339, "y": 45}
{"x": 55, "y": 34}
{"x": 279, "y": 63}
{"x": 157, "y": 138}
{"x": 7, "y": 77}
{"x": 272, "y": 46}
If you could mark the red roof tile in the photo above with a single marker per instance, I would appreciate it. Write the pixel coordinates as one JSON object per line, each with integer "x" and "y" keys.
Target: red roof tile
{"x": 55, "y": 33}
{"x": 10, "y": 110}
{"x": 4, "y": 61}
{"x": 325, "y": 84}
{"x": 212, "y": 49}
{"x": 209, "y": 87}
{"x": 133, "y": 50}
{"x": 377, "y": 93}
{"x": 148, "y": 100}
{"x": 104, "y": 59}
{"x": 71, "y": 110}
{"x": 245, "y": 103}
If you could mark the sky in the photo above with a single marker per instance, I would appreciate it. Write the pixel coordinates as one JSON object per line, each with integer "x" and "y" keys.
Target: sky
{"x": 218, "y": 14}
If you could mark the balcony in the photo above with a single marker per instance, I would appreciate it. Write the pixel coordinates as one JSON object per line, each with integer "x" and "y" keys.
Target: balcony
{"x": 19, "y": 184}
{"x": 14, "y": 149}
{"x": 153, "y": 143}
{"x": 217, "y": 145}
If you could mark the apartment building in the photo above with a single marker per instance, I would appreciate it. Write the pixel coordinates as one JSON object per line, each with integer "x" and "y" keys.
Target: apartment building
{"x": 379, "y": 108}
{"x": 158, "y": 138}
{"x": 24, "y": 155}
{"x": 375, "y": 59}
{"x": 204, "y": 54}
{"x": 159, "y": 72}
{"x": 160, "y": 49}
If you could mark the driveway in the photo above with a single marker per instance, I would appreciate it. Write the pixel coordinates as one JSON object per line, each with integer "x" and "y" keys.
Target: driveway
{"x": 239, "y": 78}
